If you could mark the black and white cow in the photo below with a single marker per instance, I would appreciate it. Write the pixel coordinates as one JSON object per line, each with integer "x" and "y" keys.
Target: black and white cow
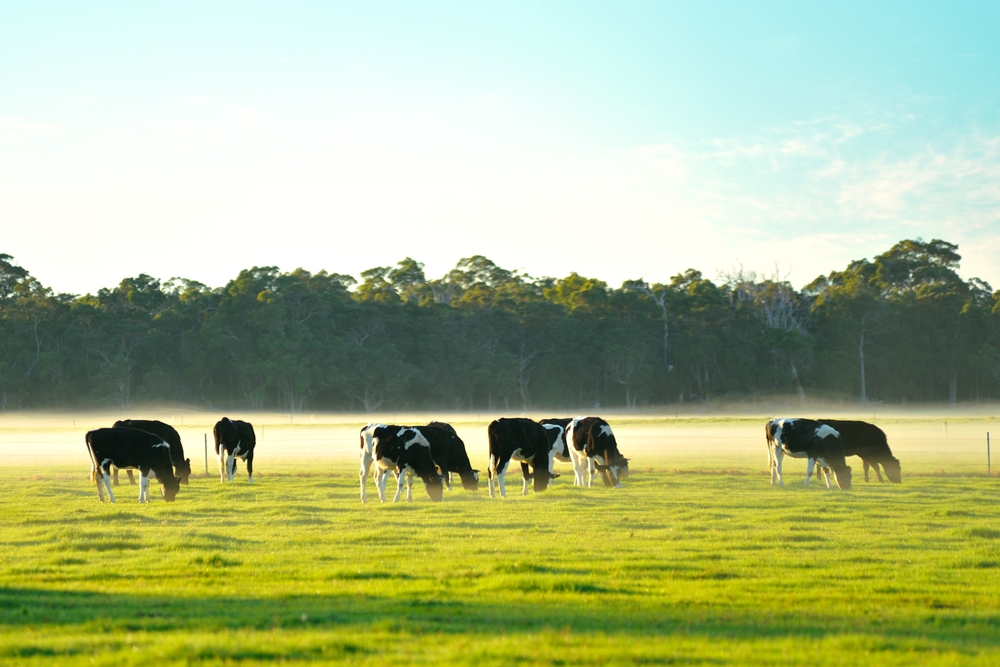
{"x": 806, "y": 439}
{"x": 448, "y": 452}
{"x": 131, "y": 449}
{"x": 169, "y": 435}
{"x": 868, "y": 442}
{"x": 404, "y": 451}
{"x": 592, "y": 446}
{"x": 234, "y": 439}
{"x": 526, "y": 441}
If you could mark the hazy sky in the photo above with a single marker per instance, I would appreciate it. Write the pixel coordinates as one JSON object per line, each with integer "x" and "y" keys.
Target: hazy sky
{"x": 617, "y": 140}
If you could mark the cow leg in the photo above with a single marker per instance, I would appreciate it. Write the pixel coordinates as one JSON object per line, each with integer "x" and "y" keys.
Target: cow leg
{"x": 222, "y": 464}
{"x": 131, "y": 479}
{"x": 872, "y": 465}
{"x": 526, "y": 475}
{"x": 501, "y": 479}
{"x": 579, "y": 469}
{"x": 366, "y": 463}
{"x": 98, "y": 479}
{"x": 143, "y": 489}
{"x": 400, "y": 481}
{"x": 107, "y": 484}
{"x": 810, "y": 464}
{"x": 779, "y": 456}
{"x": 250, "y": 467}
{"x": 230, "y": 465}
{"x": 115, "y": 473}
{"x": 409, "y": 486}
{"x": 590, "y": 471}
{"x": 826, "y": 473}
{"x": 380, "y": 480}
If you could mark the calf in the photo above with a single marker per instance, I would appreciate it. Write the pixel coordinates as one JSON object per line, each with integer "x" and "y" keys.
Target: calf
{"x": 169, "y": 435}
{"x": 234, "y": 439}
{"x": 592, "y": 445}
{"x": 406, "y": 452}
{"x": 808, "y": 439}
{"x": 130, "y": 448}
{"x": 526, "y": 441}
{"x": 868, "y": 442}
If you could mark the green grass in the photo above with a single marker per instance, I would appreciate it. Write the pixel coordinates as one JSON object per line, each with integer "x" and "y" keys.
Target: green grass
{"x": 673, "y": 569}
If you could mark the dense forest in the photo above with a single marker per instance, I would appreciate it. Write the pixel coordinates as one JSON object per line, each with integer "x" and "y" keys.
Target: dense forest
{"x": 902, "y": 327}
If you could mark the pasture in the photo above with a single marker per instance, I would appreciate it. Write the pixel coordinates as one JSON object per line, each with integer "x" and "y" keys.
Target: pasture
{"x": 697, "y": 560}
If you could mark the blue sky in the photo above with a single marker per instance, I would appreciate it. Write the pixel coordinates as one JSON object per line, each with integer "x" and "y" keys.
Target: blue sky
{"x": 617, "y": 140}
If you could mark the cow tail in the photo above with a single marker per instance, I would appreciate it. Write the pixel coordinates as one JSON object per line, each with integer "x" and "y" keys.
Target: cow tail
{"x": 93, "y": 459}
{"x": 494, "y": 444}
{"x": 770, "y": 444}
{"x": 215, "y": 435}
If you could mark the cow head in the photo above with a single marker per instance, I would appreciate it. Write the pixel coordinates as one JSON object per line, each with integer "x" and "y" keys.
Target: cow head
{"x": 169, "y": 487}
{"x": 892, "y": 470}
{"x": 843, "y": 477}
{"x": 613, "y": 473}
{"x": 184, "y": 470}
{"x": 540, "y": 478}
{"x": 435, "y": 488}
{"x": 470, "y": 480}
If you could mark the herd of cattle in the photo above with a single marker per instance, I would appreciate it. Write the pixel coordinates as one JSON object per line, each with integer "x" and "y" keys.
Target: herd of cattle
{"x": 435, "y": 452}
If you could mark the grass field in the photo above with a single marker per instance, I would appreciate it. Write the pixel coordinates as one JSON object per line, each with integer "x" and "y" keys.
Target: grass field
{"x": 698, "y": 560}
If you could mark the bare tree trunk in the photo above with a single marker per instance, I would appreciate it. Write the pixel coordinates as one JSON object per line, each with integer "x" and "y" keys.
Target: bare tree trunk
{"x": 861, "y": 356}
{"x": 798, "y": 385}
{"x": 525, "y": 365}
{"x": 662, "y": 300}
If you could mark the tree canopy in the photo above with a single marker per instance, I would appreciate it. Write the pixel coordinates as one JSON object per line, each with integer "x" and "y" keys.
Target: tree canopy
{"x": 901, "y": 327}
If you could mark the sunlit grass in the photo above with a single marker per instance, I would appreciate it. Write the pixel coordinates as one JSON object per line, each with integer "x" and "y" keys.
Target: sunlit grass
{"x": 673, "y": 568}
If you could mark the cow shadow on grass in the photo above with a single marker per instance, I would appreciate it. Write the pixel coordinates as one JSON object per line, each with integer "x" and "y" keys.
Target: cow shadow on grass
{"x": 577, "y": 610}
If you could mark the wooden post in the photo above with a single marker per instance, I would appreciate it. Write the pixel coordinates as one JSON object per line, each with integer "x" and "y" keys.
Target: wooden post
{"x": 989, "y": 471}
{"x": 206, "y": 455}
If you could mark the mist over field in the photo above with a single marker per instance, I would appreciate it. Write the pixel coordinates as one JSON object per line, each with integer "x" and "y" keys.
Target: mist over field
{"x": 729, "y": 439}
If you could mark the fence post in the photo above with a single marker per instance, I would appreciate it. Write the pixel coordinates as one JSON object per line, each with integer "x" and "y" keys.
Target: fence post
{"x": 989, "y": 471}
{"x": 206, "y": 454}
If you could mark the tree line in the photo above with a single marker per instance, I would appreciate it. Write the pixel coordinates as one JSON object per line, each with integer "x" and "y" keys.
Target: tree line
{"x": 901, "y": 327}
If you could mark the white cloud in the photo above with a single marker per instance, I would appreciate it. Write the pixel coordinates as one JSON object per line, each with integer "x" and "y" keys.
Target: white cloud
{"x": 17, "y": 129}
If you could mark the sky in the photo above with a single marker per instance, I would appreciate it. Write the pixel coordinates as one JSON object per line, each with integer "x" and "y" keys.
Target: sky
{"x": 618, "y": 140}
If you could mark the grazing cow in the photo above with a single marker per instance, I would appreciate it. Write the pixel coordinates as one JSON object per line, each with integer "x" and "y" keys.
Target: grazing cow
{"x": 868, "y": 442}
{"x": 806, "y": 439}
{"x": 182, "y": 466}
{"x": 130, "y": 449}
{"x": 234, "y": 439}
{"x": 405, "y": 452}
{"x": 448, "y": 452}
{"x": 591, "y": 445}
{"x": 526, "y": 441}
